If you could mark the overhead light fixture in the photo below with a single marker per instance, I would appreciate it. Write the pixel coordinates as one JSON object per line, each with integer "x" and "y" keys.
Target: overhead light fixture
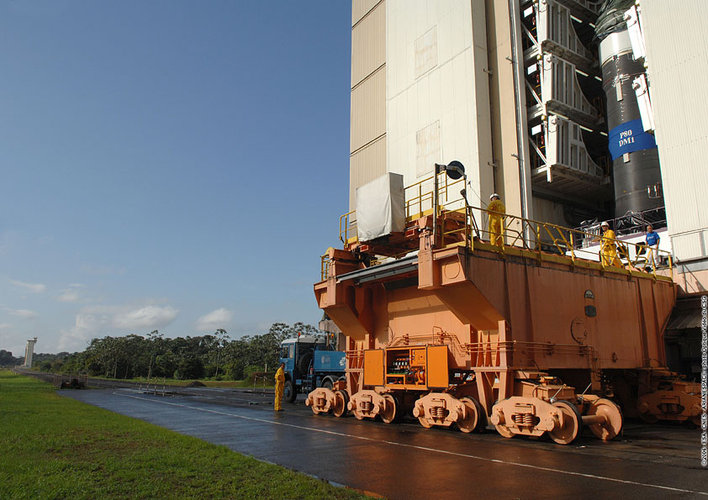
{"x": 454, "y": 169}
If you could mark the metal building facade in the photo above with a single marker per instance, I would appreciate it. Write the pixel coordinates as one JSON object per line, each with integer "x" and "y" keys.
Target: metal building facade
{"x": 676, "y": 38}
{"x": 437, "y": 91}
{"x": 368, "y": 94}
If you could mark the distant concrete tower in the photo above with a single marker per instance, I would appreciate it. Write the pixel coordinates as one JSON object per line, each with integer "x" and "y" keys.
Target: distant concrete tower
{"x": 29, "y": 351}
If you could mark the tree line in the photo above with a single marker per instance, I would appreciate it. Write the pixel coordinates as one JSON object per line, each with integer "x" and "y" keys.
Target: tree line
{"x": 8, "y": 360}
{"x": 154, "y": 356}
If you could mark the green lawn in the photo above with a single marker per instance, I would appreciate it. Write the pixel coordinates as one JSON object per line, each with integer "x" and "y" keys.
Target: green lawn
{"x": 56, "y": 447}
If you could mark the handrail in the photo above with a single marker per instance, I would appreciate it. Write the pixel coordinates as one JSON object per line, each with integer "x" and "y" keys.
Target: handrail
{"x": 346, "y": 225}
{"x": 325, "y": 265}
{"x": 543, "y": 237}
{"x": 419, "y": 202}
{"x": 564, "y": 241}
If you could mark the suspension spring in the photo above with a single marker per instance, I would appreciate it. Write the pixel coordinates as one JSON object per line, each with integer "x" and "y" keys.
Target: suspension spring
{"x": 438, "y": 413}
{"x": 671, "y": 408}
{"x": 525, "y": 419}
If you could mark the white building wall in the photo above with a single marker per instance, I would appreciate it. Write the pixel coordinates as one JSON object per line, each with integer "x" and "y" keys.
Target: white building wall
{"x": 437, "y": 91}
{"x": 676, "y": 36}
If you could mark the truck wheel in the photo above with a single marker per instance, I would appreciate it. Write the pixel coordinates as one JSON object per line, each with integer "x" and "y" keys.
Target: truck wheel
{"x": 289, "y": 393}
{"x": 327, "y": 383}
{"x": 303, "y": 364}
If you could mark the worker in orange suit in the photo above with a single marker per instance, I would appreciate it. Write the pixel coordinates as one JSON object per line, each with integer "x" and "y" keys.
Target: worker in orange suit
{"x": 279, "y": 384}
{"x": 608, "y": 248}
{"x": 496, "y": 211}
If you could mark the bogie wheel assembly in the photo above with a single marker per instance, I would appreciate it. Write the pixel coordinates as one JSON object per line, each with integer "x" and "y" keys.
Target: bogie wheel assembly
{"x": 569, "y": 430}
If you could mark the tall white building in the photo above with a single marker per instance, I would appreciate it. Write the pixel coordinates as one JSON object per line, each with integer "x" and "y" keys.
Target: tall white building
{"x": 513, "y": 89}
{"x": 676, "y": 37}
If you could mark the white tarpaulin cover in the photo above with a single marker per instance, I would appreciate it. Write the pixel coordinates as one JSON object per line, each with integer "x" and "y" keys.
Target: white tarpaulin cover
{"x": 380, "y": 207}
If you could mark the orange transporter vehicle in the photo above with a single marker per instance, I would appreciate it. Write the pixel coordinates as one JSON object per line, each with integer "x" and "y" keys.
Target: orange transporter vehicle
{"x": 527, "y": 337}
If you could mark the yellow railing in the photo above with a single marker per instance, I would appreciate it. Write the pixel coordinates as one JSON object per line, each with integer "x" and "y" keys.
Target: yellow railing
{"x": 325, "y": 264}
{"x": 419, "y": 202}
{"x": 419, "y": 196}
{"x": 536, "y": 236}
{"x": 552, "y": 238}
{"x": 347, "y": 227}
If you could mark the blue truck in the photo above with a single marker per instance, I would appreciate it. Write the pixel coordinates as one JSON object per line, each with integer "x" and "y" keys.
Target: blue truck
{"x": 310, "y": 362}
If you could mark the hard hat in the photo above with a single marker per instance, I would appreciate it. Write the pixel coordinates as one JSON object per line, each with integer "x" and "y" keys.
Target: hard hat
{"x": 493, "y": 195}
{"x": 605, "y": 224}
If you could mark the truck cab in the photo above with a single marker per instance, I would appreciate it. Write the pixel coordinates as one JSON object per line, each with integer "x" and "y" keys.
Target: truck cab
{"x": 309, "y": 363}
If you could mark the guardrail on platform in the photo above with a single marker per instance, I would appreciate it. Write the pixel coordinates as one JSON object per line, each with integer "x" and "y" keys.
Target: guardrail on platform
{"x": 535, "y": 236}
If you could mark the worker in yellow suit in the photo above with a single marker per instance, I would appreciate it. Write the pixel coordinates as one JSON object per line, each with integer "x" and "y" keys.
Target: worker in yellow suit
{"x": 496, "y": 211}
{"x": 608, "y": 248}
{"x": 279, "y": 384}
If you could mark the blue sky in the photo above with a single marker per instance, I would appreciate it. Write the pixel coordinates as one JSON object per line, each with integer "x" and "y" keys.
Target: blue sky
{"x": 172, "y": 165}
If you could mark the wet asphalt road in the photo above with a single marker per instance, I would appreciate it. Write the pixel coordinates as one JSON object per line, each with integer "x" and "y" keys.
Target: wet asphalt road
{"x": 406, "y": 461}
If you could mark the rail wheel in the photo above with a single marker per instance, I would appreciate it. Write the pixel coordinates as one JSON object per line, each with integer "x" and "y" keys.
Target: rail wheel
{"x": 339, "y": 408}
{"x": 613, "y": 419}
{"x": 327, "y": 383}
{"x": 571, "y": 423}
{"x": 391, "y": 409}
{"x": 419, "y": 413}
{"x": 358, "y": 414}
{"x": 504, "y": 431}
{"x": 474, "y": 415}
{"x": 498, "y": 421}
{"x": 424, "y": 422}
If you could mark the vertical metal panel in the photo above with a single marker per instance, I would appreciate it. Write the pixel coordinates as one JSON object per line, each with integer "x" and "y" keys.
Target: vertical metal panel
{"x": 368, "y": 97}
{"x": 677, "y": 57}
{"x": 374, "y": 367}
{"x": 360, "y": 8}
{"x": 366, "y": 165}
{"x": 368, "y": 110}
{"x": 437, "y": 373}
{"x": 369, "y": 44}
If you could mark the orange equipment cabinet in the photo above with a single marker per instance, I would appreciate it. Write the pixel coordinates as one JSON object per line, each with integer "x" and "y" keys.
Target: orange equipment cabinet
{"x": 412, "y": 368}
{"x": 374, "y": 367}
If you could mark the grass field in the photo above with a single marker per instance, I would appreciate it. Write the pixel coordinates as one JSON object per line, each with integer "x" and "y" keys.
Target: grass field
{"x": 260, "y": 383}
{"x": 55, "y": 447}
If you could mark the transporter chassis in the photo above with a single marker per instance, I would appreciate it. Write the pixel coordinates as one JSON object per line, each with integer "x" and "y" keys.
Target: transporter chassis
{"x": 471, "y": 335}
